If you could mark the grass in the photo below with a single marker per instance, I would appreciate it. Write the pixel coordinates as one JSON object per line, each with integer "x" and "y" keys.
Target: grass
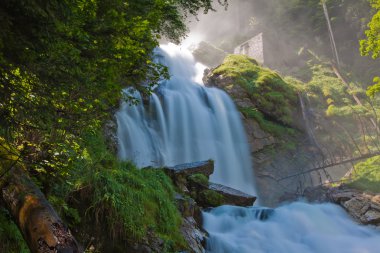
{"x": 122, "y": 202}
{"x": 367, "y": 175}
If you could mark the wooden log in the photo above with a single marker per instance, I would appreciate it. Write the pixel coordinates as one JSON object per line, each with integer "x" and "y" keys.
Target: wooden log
{"x": 40, "y": 225}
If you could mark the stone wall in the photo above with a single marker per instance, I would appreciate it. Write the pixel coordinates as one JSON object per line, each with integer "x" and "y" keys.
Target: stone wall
{"x": 253, "y": 48}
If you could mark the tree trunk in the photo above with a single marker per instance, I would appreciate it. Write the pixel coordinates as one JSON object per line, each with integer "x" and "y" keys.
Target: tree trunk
{"x": 42, "y": 229}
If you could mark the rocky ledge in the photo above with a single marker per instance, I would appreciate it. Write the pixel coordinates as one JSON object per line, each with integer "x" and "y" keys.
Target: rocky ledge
{"x": 364, "y": 207}
{"x": 195, "y": 192}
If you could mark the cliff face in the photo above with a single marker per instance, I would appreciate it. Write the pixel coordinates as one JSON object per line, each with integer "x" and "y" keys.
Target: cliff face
{"x": 274, "y": 124}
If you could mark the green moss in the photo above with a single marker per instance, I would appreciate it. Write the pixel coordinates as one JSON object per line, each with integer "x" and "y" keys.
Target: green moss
{"x": 211, "y": 198}
{"x": 267, "y": 90}
{"x": 11, "y": 240}
{"x": 267, "y": 125}
{"x": 367, "y": 175}
{"x": 199, "y": 179}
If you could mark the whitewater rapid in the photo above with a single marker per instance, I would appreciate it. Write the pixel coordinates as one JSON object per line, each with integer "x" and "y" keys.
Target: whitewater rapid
{"x": 182, "y": 122}
{"x": 293, "y": 228}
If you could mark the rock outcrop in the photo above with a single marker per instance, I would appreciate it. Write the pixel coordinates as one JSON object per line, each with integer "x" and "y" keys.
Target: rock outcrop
{"x": 196, "y": 193}
{"x": 279, "y": 147}
{"x": 363, "y": 207}
{"x": 232, "y": 196}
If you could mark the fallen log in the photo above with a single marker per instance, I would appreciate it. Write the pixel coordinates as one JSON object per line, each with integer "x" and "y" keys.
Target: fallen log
{"x": 39, "y": 224}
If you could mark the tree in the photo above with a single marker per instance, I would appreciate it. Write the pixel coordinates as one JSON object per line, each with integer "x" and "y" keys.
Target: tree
{"x": 63, "y": 64}
{"x": 371, "y": 45}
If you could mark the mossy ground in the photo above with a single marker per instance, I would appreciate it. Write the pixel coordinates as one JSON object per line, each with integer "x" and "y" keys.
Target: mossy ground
{"x": 366, "y": 176}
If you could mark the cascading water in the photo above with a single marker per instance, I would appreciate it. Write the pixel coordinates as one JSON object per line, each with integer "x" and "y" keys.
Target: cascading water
{"x": 294, "y": 228}
{"x": 186, "y": 122}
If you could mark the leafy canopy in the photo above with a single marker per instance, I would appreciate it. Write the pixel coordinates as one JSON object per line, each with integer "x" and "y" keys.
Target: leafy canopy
{"x": 63, "y": 64}
{"x": 371, "y": 45}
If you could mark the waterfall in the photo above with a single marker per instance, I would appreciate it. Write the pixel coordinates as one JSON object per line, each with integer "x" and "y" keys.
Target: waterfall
{"x": 184, "y": 121}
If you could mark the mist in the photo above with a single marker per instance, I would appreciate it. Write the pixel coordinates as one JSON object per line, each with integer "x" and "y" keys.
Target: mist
{"x": 290, "y": 30}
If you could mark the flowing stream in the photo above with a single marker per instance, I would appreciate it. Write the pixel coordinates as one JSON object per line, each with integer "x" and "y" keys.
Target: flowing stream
{"x": 183, "y": 121}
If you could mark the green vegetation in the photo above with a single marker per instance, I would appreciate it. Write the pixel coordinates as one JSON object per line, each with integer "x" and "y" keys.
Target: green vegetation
{"x": 211, "y": 198}
{"x": 267, "y": 125}
{"x": 366, "y": 176}
{"x": 127, "y": 204}
{"x": 63, "y": 65}
{"x": 199, "y": 179}
{"x": 371, "y": 45}
{"x": 267, "y": 90}
{"x": 10, "y": 237}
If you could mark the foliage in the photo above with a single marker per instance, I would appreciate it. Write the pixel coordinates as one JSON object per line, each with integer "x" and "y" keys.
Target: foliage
{"x": 371, "y": 45}
{"x": 270, "y": 93}
{"x": 64, "y": 63}
{"x": 62, "y": 67}
{"x": 10, "y": 237}
{"x": 125, "y": 203}
{"x": 375, "y": 88}
{"x": 267, "y": 125}
{"x": 366, "y": 176}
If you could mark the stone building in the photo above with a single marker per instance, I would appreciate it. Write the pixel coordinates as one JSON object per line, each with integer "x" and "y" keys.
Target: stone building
{"x": 253, "y": 48}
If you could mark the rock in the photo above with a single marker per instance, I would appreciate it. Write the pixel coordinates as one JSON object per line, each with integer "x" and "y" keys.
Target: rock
{"x": 186, "y": 205}
{"x": 232, "y": 196}
{"x": 110, "y": 135}
{"x": 371, "y": 217}
{"x": 257, "y": 138}
{"x": 193, "y": 235}
{"x": 179, "y": 173}
{"x": 363, "y": 207}
{"x": 356, "y": 207}
{"x": 208, "y": 54}
{"x": 341, "y": 196}
{"x": 205, "y": 167}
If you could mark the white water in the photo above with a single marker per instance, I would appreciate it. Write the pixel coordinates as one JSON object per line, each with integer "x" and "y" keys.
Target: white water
{"x": 186, "y": 122}
{"x": 294, "y": 228}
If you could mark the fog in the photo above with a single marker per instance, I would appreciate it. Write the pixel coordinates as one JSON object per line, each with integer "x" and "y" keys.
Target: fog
{"x": 289, "y": 27}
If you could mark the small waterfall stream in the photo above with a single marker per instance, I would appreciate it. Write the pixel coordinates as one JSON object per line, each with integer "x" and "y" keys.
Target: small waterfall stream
{"x": 186, "y": 122}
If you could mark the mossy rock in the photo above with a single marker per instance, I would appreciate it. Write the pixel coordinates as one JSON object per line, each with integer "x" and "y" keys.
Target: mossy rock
{"x": 210, "y": 198}
{"x": 199, "y": 179}
{"x": 267, "y": 90}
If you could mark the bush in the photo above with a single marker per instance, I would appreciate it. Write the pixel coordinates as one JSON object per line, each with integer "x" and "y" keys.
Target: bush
{"x": 367, "y": 175}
